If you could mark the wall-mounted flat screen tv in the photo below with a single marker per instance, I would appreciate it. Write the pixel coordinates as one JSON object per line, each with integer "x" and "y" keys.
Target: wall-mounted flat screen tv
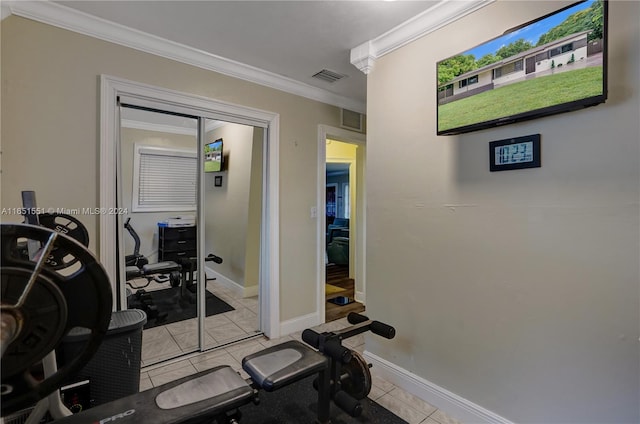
{"x": 213, "y": 156}
{"x": 554, "y": 64}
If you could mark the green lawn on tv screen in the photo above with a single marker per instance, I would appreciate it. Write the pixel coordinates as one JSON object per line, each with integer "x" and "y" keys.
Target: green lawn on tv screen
{"x": 212, "y": 166}
{"x": 521, "y": 97}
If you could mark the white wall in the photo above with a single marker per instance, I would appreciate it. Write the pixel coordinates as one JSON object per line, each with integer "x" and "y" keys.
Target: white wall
{"x": 519, "y": 290}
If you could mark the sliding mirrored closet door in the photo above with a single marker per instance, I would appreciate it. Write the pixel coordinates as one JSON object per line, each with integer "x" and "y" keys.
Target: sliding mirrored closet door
{"x": 190, "y": 243}
{"x": 232, "y": 214}
{"x": 158, "y": 186}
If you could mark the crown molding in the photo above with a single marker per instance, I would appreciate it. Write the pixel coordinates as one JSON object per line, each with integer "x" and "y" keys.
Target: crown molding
{"x": 5, "y": 11}
{"x": 136, "y": 124}
{"x": 73, "y": 20}
{"x": 148, "y": 126}
{"x": 443, "y": 13}
{"x": 364, "y": 57}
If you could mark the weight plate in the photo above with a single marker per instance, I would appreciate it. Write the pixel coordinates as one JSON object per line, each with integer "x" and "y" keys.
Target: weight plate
{"x": 41, "y": 319}
{"x": 174, "y": 278}
{"x": 65, "y": 224}
{"x": 86, "y": 292}
{"x": 356, "y": 377}
{"x": 69, "y": 226}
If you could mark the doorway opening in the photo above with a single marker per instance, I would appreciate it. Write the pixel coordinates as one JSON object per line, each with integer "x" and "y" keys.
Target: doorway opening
{"x": 341, "y": 223}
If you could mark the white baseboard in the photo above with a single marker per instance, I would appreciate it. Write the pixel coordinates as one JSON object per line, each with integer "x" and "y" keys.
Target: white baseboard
{"x": 454, "y": 405}
{"x": 238, "y": 289}
{"x": 360, "y": 297}
{"x": 251, "y": 291}
{"x": 299, "y": 324}
{"x": 228, "y": 283}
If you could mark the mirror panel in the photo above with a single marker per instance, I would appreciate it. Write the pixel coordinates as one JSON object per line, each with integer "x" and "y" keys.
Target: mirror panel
{"x": 158, "y": 186}
{"x": 161, "y": 160}
{"x": 232, "y": 202}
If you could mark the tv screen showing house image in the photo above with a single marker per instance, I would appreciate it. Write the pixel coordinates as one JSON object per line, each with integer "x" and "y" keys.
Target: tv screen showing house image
{"x": 554, "y": 64}
{"x": 213, "y": 156}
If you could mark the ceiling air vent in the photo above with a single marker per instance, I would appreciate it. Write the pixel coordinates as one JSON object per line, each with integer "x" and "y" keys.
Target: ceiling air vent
{"x": 329, "y": 76}
{"x": 351, "y": 120}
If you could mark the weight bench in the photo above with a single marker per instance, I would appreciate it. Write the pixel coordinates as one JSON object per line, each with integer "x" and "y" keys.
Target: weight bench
{"x": 142, "y": 299}
{"x": 215, "y": 394}
{"x": 166, "y": 267}
{"x": 283, "y": 364}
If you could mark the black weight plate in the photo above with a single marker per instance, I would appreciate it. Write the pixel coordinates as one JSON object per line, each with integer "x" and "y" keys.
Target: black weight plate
{"x": 358, "y": 377}
{"x": 65, "y": 224}
{"x": 174, "y": 278}
{"x": 69, "y": 226}
{"x": 42, "y": 319}
{"x": 87, "y": 293}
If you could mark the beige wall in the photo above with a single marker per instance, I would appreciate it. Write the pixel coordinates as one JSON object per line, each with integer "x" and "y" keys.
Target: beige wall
{"x": 50, "y": 133}
{"x": 340, "y": 152}
{"x": 517, "y": 290}
{"x": 226, "y": 208}
{"x": 254, "y": 224}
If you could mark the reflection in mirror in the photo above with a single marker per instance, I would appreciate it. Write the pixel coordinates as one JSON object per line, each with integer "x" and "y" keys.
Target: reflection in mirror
{"x": 158, "y": 186}
{"x": 160, "y": 166}
{"x": 232, "y": 205}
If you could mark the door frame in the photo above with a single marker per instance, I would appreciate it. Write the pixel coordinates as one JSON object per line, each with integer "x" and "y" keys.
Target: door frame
{"x": 352, "y": 137}
{"x": 111, "y": 88}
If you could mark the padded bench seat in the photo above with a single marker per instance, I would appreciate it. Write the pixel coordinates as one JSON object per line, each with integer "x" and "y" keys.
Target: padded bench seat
{"x": 222, "y": 388}
{"x": 165, "y": 267}
{"x": 283, "y": 364}
{"x": 132, "y": 272}
{"x": 190, "y": 399}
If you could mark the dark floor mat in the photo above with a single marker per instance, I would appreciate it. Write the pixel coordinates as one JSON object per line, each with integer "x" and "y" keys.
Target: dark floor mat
{"x": 178, "y": 308}
{"x": 297, "y": 404}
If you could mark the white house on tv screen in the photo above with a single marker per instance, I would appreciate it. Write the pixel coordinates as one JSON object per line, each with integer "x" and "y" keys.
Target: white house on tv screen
{"x": 567, "y": 53}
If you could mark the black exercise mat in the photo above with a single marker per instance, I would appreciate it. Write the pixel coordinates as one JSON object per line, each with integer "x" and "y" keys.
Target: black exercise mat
{"x": 297, "y": 404}
{"x": 179, "y": 309}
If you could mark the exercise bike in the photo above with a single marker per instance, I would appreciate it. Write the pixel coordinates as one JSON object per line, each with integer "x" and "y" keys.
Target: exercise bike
{"x": 40, "y": 305}
{"x": 179, "y": 273}
{"x": 137, "y": 265}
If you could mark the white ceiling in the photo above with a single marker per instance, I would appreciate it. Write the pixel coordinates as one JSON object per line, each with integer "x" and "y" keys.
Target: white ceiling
{"x": 279, "y": 44}
{"x": 295, "y": 39}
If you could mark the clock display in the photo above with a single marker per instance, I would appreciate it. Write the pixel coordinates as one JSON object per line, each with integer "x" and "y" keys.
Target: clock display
{"x": 514, "y": 153}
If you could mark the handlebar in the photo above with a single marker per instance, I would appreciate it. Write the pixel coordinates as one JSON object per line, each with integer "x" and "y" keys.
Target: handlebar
{"x": 328, "y": 346}
{"x": 376, "y": 327}
{"x": 213, "y": 258}
{"x": 330, "y": 343}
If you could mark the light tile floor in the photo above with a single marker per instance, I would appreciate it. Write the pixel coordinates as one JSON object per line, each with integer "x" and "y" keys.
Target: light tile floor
{"x": 169, "y": 341}
{"x": 403, "y": 404}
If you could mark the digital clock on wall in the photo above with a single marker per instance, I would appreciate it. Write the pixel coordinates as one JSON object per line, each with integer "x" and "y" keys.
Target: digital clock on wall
{"x": 515, "y": 153}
